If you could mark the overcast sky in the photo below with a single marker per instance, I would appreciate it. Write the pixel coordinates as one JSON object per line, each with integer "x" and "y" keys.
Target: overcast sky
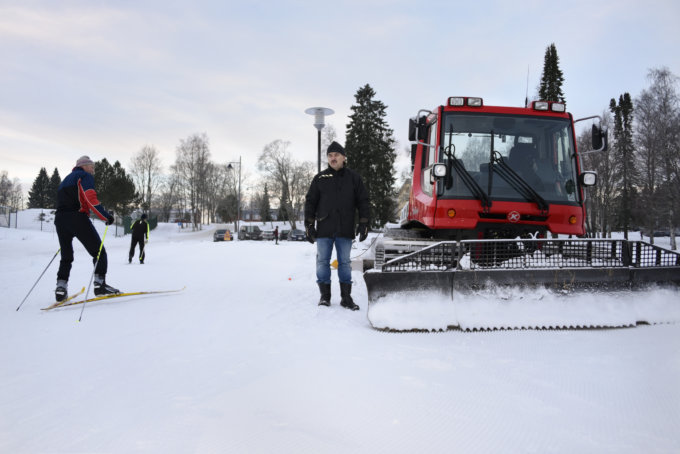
{"x": 105, "y": 78}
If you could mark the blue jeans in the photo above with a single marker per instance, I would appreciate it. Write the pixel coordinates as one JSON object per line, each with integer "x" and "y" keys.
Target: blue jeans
{"x": 324, "y": 248}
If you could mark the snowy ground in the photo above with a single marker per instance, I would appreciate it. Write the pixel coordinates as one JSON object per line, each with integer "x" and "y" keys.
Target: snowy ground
{"x": 244, "y": 361}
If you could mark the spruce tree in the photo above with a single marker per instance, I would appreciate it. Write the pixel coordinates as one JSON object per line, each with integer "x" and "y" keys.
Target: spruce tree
{"x": 115, "y": 189}
{"x": 55, "y": 181}
{"x": 39, "y": 195}
{"x": 552, "y": 78}
{"x": 370, "y": 152}
{"x": 625, "y": 166}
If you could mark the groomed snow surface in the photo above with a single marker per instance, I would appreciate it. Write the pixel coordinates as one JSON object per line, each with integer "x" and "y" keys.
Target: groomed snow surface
{"x": 244, "y": 360}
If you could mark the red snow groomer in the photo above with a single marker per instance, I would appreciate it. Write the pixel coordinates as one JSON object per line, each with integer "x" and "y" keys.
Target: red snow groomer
{"x": 491, "y": 190}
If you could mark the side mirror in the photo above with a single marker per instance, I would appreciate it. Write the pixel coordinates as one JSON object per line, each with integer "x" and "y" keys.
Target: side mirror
{"x": 598, "y": 135}
{"x": 599, "y": 138}
{"x": 412, "y": 129}
{"x": 588, "y": 178}
{"x": 417, "y": 128}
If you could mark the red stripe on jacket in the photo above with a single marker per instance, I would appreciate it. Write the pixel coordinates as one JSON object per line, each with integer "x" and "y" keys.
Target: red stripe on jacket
{"x": 88, "y": 201}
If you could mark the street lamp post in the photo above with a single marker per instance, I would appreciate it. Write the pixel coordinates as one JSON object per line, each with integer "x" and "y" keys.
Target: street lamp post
{"x": 238, "y": 207}
{"x": 319, "y": 114}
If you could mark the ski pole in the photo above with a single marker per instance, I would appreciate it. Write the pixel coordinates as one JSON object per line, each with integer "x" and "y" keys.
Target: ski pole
{"x": 40, "y": 277}
{"x": 93, "y": 271}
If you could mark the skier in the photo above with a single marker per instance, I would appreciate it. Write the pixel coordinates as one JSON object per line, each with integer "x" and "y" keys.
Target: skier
{"x": 76, "y": 197}
{"x": 331, "y": 202}
{"x": 276, "y": 234}
{"x": 140, "y": 234}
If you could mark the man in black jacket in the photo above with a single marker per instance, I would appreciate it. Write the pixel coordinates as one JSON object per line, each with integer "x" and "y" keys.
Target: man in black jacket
{"x": 140, "y": 234}
{"x": 331, "y": 203}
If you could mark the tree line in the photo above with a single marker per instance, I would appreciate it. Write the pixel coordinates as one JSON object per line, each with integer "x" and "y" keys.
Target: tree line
{"x": 639, "y": 176}
{"x": 197, "y": 190}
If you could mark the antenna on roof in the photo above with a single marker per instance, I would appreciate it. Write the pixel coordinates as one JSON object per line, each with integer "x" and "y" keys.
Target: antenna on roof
{"x": 526, "y": 97}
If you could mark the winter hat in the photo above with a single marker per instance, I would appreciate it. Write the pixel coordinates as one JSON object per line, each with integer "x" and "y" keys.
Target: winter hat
{"x": 335, "y": 147}
{"x": 143, "y": 215}
{"x": 84, "y": 161}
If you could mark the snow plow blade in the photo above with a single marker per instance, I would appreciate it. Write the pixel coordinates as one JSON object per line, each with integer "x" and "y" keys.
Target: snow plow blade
{"x": 506, "y": 284}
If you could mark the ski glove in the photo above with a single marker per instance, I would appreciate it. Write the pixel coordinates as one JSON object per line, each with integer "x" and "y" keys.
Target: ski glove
{"x": 362, "y": 231}
{"x": 110, "y": 220}
{"x": 310, "y": 232}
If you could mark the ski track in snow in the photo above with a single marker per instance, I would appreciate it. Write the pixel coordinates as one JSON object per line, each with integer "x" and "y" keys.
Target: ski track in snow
{"x": 244, "y": 361}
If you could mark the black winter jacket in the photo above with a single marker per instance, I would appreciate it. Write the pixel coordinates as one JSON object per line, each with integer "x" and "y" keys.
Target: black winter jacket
{"x": 332, "y": 200}
{"x": 140, "y": 229}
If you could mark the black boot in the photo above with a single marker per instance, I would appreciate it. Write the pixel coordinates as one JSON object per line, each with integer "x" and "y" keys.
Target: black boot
{"x": 345, "y": 291}
{"x": 325, "y": 290}
{"x": 101, "y": 288}
{"x": 61, "y": 293}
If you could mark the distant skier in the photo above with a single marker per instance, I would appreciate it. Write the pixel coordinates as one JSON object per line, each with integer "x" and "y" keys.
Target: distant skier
{"x": 276, "y": 234}
{"x": 76, "y": 197}
{"x": 140, "y": 234}
{"x": 331, "y": 203}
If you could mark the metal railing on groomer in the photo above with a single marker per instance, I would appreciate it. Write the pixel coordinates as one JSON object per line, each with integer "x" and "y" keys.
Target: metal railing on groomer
{"x": 534, "y": 254}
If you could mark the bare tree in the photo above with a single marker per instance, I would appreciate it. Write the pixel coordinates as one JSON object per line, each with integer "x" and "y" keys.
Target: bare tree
{"x": 5, "y": 188}
{"x": 287, "y": 178}
{"x": 219, "y": 184}
{"x": 146, "y": 170}
{"x": 664, "y": 109}
{"x": 10, "y": 191}
{"x": 648, "y": 158}
{"x": 191, "y": 168}
{"x": 168, "y": 199}
{"x": 304, "y": 172}
{"x": 328, "y": 135}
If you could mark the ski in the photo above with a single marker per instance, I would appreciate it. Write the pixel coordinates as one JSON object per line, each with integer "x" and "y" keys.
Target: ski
{"x": 115, "y": 295}
{"x": 69, "y": 298}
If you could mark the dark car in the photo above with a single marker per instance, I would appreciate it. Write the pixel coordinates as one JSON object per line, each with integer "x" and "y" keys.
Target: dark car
{"x": 297, "y": 235}
{"x": 250, "y": 232}
{"x": 283, "y": 234}
{"x": 222, "y": 235}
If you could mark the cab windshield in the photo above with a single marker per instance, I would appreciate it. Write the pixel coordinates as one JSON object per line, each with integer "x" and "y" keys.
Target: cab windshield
{"x": 539, "y": 149}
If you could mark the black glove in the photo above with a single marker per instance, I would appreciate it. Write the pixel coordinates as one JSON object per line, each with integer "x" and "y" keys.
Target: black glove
{"x": 110, "y": 220}
{"x": 310, "y": 231}
{"x": 362, "y": 231}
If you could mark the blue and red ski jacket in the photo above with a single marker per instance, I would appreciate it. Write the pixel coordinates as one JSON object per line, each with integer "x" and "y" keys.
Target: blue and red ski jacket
{"x": 76, "y": 193}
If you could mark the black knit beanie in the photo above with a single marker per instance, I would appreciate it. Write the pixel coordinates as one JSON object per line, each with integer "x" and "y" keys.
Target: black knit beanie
{"x": 335, "y": 147}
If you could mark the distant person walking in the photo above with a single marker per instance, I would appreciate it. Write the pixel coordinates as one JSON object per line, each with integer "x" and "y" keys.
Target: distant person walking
{"x": 332, "y": 200}
{"x": 76, "y": 198}
{"x": 276, "y": 234}
{"x": 140, "y": 235}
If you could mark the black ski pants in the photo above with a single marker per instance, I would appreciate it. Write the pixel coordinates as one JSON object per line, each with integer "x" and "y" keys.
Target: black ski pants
{"x": 134, "y": 243}
{"x": 72, "y": 224}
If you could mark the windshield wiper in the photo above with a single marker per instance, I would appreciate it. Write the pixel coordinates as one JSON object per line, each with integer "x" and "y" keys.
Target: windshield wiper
{"x": 468, "y": 180}
{"x": 518, "y": 183}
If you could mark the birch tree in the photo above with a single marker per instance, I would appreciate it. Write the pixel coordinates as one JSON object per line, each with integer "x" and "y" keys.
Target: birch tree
{"x": 191, "y": 167}
{"x": 146, "y": 171}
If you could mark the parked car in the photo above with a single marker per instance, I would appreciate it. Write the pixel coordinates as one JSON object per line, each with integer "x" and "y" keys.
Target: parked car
{"x": 268, "y": 235}
{"x": 283, "y": 234}
{"x": 297, "y": 235}
{"x": 222, "y": 235}
{"x": 250, "y": 232}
